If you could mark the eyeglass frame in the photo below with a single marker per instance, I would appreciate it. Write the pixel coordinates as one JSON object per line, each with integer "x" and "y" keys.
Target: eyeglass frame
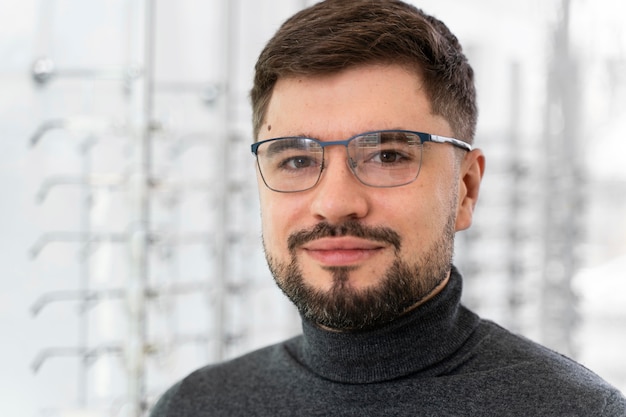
{"x": 424, "y": 137}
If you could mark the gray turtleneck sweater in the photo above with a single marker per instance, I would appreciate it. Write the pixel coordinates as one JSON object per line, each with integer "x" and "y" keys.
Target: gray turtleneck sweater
{"x": 439, "y": 360}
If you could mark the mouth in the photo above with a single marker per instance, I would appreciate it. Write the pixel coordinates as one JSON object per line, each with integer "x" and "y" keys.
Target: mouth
{"x": 342, "y": 251}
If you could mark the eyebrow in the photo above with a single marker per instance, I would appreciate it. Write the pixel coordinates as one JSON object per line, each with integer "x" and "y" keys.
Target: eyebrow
{"x": 287, "y": 143}
{"x": 399, "y": 136}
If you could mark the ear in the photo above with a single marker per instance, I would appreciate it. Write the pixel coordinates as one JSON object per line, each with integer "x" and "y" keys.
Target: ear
{"x": 470, "y": 175}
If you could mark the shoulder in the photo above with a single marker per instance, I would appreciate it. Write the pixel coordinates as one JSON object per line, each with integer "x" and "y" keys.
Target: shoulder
{"x": 226, "y": 385}
{"x": 528, "y": 370}
{"x": 502, "y": 347}
{"x": 261, "y": 363}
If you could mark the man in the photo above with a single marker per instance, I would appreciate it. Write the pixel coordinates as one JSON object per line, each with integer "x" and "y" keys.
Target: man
{"x": 364, "y": 115}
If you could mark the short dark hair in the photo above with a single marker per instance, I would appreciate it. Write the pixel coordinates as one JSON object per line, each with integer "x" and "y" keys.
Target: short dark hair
{"x": 334, "y": 35}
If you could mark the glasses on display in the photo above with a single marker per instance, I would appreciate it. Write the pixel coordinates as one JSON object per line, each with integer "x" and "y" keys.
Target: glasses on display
{"x": 384, "y": 158}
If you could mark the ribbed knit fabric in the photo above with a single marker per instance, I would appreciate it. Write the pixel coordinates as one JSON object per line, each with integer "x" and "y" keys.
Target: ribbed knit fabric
{"x": 438, "y": 360}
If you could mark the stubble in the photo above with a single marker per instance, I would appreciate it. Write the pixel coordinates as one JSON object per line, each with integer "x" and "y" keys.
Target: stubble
{"x": 344, "y": 308}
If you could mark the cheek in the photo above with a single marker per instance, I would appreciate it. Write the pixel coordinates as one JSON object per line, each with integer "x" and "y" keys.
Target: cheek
{"x": 269, "y": 221}
{"x": 420, "y": 215}
{"x": 279, "y": 218}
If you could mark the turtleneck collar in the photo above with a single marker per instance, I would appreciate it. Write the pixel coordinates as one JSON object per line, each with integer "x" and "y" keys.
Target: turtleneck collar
{"x": 416, "y": 342}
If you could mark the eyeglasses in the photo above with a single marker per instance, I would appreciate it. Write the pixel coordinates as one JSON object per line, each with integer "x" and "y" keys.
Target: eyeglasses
{"x": 384, "y": 158}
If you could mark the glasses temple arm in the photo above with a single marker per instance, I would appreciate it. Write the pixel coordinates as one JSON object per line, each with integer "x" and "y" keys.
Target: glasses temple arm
{"x": 455, "y": 142}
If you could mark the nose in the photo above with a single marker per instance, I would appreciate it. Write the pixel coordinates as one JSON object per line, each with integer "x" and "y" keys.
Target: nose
{"x": 339, "y": 195}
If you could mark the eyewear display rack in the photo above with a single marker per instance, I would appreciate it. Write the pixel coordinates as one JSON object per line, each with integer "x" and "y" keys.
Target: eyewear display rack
{"x": 521, "y": 256}
{"x": 564, "y": 190}
{"x": 164, "y": 222}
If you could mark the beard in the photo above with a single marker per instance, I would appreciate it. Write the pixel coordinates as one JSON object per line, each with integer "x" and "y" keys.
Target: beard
{"x": 345, "y": 308}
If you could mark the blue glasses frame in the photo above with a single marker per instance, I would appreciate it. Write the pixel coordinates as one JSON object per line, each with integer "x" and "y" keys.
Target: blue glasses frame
{"x": 424, "y": 137}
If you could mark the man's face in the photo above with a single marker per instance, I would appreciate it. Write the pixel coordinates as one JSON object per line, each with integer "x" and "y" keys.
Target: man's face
{"x": 351, "y": 256}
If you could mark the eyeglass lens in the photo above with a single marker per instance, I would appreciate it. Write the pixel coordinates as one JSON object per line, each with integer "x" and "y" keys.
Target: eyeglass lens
{"x": 378, "y": 159}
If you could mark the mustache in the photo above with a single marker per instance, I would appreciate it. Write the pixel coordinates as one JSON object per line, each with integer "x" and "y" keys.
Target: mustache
{"x": 348, "y": 228}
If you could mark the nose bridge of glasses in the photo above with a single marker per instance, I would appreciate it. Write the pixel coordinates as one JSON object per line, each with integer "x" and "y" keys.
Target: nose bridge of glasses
{"x": 342, "y": 143}
{"x": 350, "y": 161}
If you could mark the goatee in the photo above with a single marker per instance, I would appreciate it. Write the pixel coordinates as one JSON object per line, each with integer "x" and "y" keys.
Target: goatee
{"x": 345, "y": 308}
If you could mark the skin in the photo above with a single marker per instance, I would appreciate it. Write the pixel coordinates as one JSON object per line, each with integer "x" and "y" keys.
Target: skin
{"x": 335, "y": 107}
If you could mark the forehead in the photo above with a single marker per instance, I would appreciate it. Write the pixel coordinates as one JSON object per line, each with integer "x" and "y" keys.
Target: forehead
{"x": 331, "y": 107}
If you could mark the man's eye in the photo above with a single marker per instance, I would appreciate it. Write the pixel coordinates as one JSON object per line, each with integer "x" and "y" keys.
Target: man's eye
{"x": 388, "y": 157}
{"x": 297, "y": 162}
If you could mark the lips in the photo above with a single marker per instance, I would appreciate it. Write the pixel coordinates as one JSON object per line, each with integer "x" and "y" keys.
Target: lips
{"x": 342, "y": 251}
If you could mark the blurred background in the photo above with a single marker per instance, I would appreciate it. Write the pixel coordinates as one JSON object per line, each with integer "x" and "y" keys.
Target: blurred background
{"x": 129, "y": 231}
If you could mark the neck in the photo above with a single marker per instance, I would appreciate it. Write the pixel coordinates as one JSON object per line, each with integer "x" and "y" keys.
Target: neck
{"x": 415, "y": 342}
